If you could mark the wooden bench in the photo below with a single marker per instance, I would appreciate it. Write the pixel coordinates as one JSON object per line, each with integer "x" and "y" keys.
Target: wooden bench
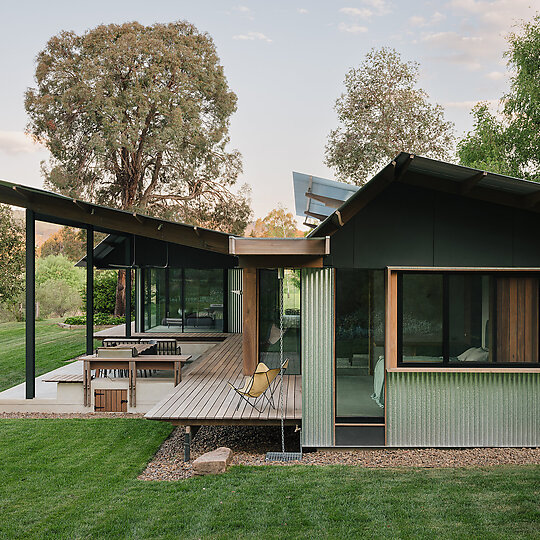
{"x": 66, "y": 378}
{"x": 163, "y": 345}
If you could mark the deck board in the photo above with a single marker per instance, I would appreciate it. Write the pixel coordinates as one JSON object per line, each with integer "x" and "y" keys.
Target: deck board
{"x": 204, "y": 397}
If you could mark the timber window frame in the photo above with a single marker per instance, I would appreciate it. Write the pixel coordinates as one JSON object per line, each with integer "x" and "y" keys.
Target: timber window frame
{"x": 526, "y": 282}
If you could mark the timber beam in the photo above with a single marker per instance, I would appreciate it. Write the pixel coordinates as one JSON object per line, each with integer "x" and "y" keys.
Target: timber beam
{"x": 279, "y": 246}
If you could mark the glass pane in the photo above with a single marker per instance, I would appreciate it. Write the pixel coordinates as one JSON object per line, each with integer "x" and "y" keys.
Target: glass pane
{"x": 203, "y": 293}
{"x": 469, "y": 323}
{"x": 269, "y": 319}
{"x": 359, "y": 344}
{"x": 422, "y": 318}
{"x": 175, "y": 313}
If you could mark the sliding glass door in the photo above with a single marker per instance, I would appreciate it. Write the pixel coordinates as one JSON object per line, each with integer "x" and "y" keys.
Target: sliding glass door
{"x": 273, "y": 314}
{"x": 359, "y": 362}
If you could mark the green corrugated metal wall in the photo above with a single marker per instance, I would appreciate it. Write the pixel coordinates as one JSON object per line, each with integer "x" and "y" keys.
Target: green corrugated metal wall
{"x": 317, "y": 356}
{"x": 463, "y": 409}
{"x": 235, "y": 300}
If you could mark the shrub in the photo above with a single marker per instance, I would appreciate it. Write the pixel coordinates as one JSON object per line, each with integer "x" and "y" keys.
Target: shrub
{"x": 105, "y": 292}
{"x": 59, "y": 268}
{"x": 56, "y": 298}
{"x": 99, "y": 319}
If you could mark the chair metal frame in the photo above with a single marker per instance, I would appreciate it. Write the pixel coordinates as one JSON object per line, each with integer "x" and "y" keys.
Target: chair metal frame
{"x": 249, "y": 385}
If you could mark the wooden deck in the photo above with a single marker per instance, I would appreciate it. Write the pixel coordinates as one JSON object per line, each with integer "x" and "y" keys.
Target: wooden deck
{"x": 204, "y": 397}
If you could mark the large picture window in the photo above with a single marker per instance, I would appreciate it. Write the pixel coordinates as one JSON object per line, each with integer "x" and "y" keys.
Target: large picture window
{"x": 468, "y": 319}
{"x": 184, "y": 300}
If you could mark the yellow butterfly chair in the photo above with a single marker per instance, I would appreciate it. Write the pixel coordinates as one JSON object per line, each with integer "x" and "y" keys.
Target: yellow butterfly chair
{"x": 257, "y": 385}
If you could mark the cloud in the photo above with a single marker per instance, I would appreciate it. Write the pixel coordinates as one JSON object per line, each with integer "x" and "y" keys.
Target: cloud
{"x": 496, "y": 75}
{"x": 369, "y": 9}
{"x": 457, "y": 48}
{"x": 493, "y": 103}
{"x": 352, "y": 28}
{"x": 17, "y": 142}
{"x": 303, "y": 11}
{"x": 244, "y": 11}
{"x": 480, "y": 37}
{"x": 252, "y": 36}
{"x": 419, "y": 21}
{"x": 363, "y": 13}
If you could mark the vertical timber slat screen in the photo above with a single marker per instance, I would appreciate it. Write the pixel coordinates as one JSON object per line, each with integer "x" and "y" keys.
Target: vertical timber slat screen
{"x": 517, "y": 319}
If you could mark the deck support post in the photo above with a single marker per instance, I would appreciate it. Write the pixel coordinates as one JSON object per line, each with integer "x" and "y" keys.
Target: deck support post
{"x": 89, "y": 289}
{"x": 250, "y": 320}
{"x": 30, "y": 304}
{"x": 187, "y": 444}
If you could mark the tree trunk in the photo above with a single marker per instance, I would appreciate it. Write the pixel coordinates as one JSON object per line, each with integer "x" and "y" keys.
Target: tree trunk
{"x": 120, "y": 304}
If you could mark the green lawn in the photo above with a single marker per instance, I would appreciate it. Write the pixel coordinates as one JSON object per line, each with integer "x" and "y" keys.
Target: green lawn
{"x": 54, "y": 345}
{"x": 78, "y": 479}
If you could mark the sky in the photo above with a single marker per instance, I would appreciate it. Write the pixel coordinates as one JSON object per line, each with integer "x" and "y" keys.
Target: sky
{"x": 286, "y": 61}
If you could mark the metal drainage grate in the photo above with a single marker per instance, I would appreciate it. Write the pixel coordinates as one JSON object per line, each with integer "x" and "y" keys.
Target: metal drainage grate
{"x": 283, "y": 456}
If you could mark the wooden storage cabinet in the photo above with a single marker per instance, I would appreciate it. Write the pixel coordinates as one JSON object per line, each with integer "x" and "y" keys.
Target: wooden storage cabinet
{"x": 106, "y": 400}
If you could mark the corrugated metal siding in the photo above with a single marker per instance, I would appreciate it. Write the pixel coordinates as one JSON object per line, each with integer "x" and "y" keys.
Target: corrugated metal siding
{"x": 317, "y": 356}
{"x": 235, "y": 300}
{"x": 463, "y": 409}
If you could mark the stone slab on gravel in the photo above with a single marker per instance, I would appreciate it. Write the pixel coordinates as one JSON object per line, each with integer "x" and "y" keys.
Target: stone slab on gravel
{"x": 214, "y": 462}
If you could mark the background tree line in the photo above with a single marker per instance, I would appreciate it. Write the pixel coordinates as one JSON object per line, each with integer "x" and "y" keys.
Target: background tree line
{"x": 137, "y": 117}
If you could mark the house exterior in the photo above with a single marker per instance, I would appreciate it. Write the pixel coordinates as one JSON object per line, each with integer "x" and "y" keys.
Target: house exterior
{"x": 410, "y": 315}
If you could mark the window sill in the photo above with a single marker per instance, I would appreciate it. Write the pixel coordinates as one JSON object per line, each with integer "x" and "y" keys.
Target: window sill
{"x": 464, "y": 369}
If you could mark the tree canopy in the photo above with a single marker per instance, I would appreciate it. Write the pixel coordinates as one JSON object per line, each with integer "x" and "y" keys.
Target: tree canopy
{"x": 380, "y": 114}
{"x": 278, "y": 223}
{"x": 12, "y": 256}
{"x": 509, "y": 142}
{"x": 67, "y": 241}
{"x": 136, "y": 117}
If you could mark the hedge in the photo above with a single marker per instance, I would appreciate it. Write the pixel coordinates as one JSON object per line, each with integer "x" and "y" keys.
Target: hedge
{"x": 99, "y": 319}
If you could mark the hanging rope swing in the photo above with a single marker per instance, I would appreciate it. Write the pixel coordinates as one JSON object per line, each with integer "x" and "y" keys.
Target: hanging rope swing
{"x": 282, "y": 456}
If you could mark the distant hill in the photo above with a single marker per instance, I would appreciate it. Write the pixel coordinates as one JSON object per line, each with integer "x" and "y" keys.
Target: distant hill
{"x": 43, "y": 230}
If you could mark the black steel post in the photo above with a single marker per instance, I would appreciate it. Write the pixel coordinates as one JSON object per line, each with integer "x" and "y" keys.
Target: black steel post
{"x": 30, "y": 305}
{"x": 89, "y": 289}
{"x": 128, "y": 289}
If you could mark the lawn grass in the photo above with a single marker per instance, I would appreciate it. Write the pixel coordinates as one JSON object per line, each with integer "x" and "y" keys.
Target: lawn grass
{"x": 54, "y": 345}
{"x": 78, "y": 479}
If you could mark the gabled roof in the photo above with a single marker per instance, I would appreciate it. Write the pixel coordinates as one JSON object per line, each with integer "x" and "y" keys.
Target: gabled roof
{"x": 439, "y": 176}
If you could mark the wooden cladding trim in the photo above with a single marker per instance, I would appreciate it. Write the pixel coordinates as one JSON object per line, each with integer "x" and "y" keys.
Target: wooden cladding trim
{"x": 279, "y": 246}
{"x": 481, "y": 269}
{"x": 391, "y": 320}
{"x": 250, "y": 323}
{"x": 462, "y": 370}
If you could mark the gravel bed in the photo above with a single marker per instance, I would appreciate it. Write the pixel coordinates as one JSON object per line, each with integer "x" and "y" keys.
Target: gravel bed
{"x": 250, "y": 444}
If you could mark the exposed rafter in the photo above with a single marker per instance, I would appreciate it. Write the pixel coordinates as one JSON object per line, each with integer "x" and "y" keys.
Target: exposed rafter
{"x": 471, "y": 182}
